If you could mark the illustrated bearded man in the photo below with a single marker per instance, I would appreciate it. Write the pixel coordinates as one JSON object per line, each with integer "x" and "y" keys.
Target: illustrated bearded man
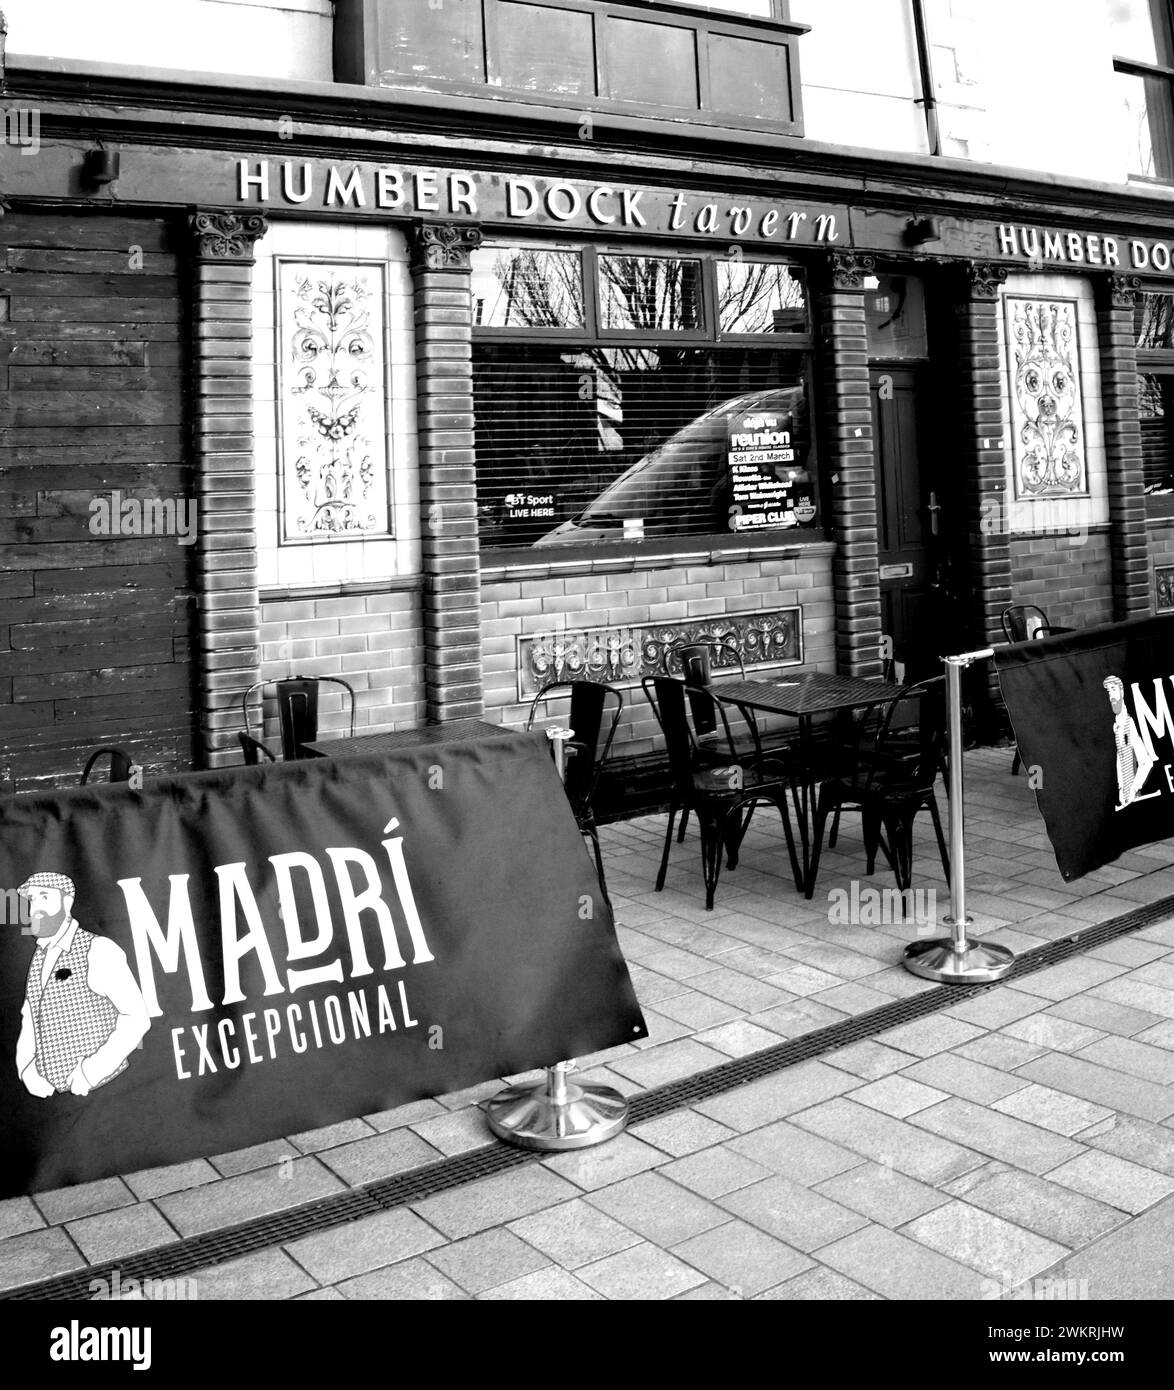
{"x": 1134, "y": 760}
{"x": 83, "y": 1014}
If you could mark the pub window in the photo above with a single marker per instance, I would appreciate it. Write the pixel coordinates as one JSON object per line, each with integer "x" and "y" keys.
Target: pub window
{"x": 680, "y": 408}
{"x": 1143, "y": 45}
{"x": 1154, "y": 337}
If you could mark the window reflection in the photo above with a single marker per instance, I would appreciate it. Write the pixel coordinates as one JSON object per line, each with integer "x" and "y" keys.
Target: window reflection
{"x": 527, "y": 287}
{"x": 756, "y": 297}
{"x": 1153, "y": 321}
{"x": 649, "y": 294}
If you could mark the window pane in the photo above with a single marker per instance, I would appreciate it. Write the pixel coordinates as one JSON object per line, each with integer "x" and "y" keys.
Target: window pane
{"x": 754, "y": 297}
{"x": 620, "y": 444}
{"x": 521, "y": 287}
{"x": 647, "y": 293}
{"x": 1153, "y": 321}
{"x": 1141, "y": 31}
{"x": 1149, "y": 125}
{"x": 894, "y": 311}
{"x": 1155, "y": 407}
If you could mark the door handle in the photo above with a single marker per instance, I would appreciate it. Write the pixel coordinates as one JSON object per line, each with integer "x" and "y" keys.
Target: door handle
{"x": 933, "y": 509}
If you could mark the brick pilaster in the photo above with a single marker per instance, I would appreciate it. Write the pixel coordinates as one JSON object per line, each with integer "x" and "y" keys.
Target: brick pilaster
{"x": 984, "y": 454}
{"x": 851, "y": 464}
{"x": 226, "y": 552}
{"x": 1128, "y": 537}
{"x": 448, "y": 490}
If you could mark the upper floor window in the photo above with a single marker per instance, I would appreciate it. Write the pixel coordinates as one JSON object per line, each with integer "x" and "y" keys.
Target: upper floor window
{"x": 1143, "y": 47}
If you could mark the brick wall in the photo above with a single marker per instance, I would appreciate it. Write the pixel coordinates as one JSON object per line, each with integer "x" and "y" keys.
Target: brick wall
{"x": 373, "y": 641}
{"x": 1070, "y": 578}
{"x": 511, "y": 608}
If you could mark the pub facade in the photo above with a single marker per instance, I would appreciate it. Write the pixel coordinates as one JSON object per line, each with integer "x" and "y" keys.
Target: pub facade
{"x": 471, "y": 346}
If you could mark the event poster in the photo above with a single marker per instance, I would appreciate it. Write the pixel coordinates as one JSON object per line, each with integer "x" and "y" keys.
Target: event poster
{"x": 229, "y": 957}
{"x": 1093, "y": 714}
{"x": 768, "y": 482}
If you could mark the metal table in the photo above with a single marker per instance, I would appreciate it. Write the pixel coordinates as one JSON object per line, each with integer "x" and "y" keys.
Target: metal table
{"x": 452, "y": 731}
{"x": 802, "y": 696}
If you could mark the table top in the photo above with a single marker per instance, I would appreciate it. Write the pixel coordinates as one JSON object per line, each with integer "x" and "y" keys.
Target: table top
{"x": 452, "y": 731}
{"x": 813, "y": 693}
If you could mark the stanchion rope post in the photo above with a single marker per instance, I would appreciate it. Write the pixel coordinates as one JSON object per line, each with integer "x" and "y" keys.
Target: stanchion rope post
{"x": 557, "y": 1113}
{"x": 956, "y": 959}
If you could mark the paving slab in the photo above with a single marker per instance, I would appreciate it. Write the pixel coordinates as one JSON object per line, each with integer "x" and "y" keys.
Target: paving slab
{"x": 1104, "y": 1015}
{"x": 797, "y": 1215}
{"x": 891, "y": 1143}
{"x": 1000, "y": 1136}
{"x": 18, "y": 1215}
{"x": 1114, "y": 1181}
{"x": 493, "y": 1201}
{"x": 230, "y": 1201}
{"x": 995, "y": 1247}
{"x": 760, "y": 1102}
{"x": 898, "y": 1096}
{"x": 925, "y": 1036}
{"x": 1054, "y": 1110}
{"x": 819, "y": 1285}
{"x": 867, "y": 1059}
{"x": 483, "y": 1261}
{"x": 1135, "y": 1262}
{"x": 550, "y": 1285}
{"x": 896, "y": 1267}
{"x": 959, "y": 1076}
{"x": 882, "y": 1194}
{"x": 714, "y": 1172}
{"x": 1047, "y": 1208}
{"x": 112, "y": 1235}
{"x": 37, "y": 1255}
{"x": 265, "y": 1274}
{"x": 593, "y": 1168}
{"x": 643, "y": 1272}
{"x": 410, "y": 1280}
{"x": 1141, "y": 1141}
{"x": 85, "y": 1199}
{"x": 1116, "y": 1090}
{"x": 742, "y": 1258}
{"x": 1129, "y": 1055}
{"x": 357, "y": 1247}
{"x": 683, "y": 1132}
{"x": 379, "y": 1156}
{"x": 794, "y": 1153}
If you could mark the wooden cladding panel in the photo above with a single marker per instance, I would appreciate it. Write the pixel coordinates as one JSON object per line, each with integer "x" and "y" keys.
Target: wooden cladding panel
{"x": 94, "y": 628}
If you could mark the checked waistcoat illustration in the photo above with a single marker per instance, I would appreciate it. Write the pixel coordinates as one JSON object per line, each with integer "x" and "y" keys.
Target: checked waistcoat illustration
{"x": 70, "y": 1020}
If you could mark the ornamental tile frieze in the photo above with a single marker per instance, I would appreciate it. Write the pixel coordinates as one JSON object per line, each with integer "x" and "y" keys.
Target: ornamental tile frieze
{"x": 443, "y": 245}
{"x": 624, "y": 655}
{"x": 1047, "y": 420}
{"x": 227, "y": 236}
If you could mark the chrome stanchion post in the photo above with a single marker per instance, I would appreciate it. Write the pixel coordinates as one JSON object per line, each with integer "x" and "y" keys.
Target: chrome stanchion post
{"x": 558, "y": 1113}
{"x": 956, "y": 959}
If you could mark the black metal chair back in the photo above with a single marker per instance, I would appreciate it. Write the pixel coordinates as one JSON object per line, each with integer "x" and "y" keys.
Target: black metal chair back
{"x": 297, "y": 710}
{"x": 697, "y": 662}
{"x": 592, "y": 704}
{"x": 255, "y": 751}
{"x": 1023, "y": 621}
{"x": 121, "y": 765}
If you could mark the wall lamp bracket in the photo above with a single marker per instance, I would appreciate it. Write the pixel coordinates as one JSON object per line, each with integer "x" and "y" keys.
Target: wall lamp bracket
{"x": 919, "y": 230}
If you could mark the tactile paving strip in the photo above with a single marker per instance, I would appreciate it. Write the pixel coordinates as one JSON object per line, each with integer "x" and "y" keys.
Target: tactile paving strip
{"x": 198, "y": 1252}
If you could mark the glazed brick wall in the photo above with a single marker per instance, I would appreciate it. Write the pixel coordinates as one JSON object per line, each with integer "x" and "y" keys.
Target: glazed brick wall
{"x": 1132, "y": 577}
{"x": 373, "y": 641}
{"x": 511, "y": 609}
{"x": 1072, "y": 583}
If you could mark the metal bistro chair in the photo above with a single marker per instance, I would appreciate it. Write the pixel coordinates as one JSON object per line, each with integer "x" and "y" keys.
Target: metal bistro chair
{"x": 720, "y": 797}
{"x": 892, "y": 779}
{"x": 297, "y": 709}
{"x": 592, "y": 705}
{"x": 1024, "y": 622}
{"x": 255, "y": 751}
{"x": 121, "y": 765}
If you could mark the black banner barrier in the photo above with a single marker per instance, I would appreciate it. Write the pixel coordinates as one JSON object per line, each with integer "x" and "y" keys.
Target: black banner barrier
{"x": 229, "y": 957}
{"x": 1092, "y": 714}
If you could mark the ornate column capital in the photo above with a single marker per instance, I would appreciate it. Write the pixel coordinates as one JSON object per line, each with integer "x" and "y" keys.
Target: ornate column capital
{"x": 442, "y": 245}
{"x": 1122, "y": 290}
{"x": 222, "y": 236}
{"x": 847, "y": 269}
{"x": 984, "y": 278}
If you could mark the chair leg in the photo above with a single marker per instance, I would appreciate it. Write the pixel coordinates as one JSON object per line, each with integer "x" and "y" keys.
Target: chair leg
{"x": 792, "y": 853}
{"x": 821, "y": 815}
{"x": 593, "y": 836}
{"x": 1015, "y": 761}
{"x": 711, "y": 858}
{"x": 871, "y": 818}
{"x": 900, "y": 828}
{"x": 835, "y": 830}
{"x": 668, "y": 844}
{"x": 684, "y": 823}
{"x": 932, "y": 803}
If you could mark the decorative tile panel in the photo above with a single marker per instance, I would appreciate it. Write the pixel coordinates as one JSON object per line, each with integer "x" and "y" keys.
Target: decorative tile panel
{"x": 624, "y": 655}
{"x": 1047, "y": 418}
{"x": 1164, "y": 587}
{"x": 331, "y": 401}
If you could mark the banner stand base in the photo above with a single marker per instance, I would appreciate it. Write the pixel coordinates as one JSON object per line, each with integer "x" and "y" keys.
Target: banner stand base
{"x": 557, "y": 1114}
{"x": 940, "y": 960}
